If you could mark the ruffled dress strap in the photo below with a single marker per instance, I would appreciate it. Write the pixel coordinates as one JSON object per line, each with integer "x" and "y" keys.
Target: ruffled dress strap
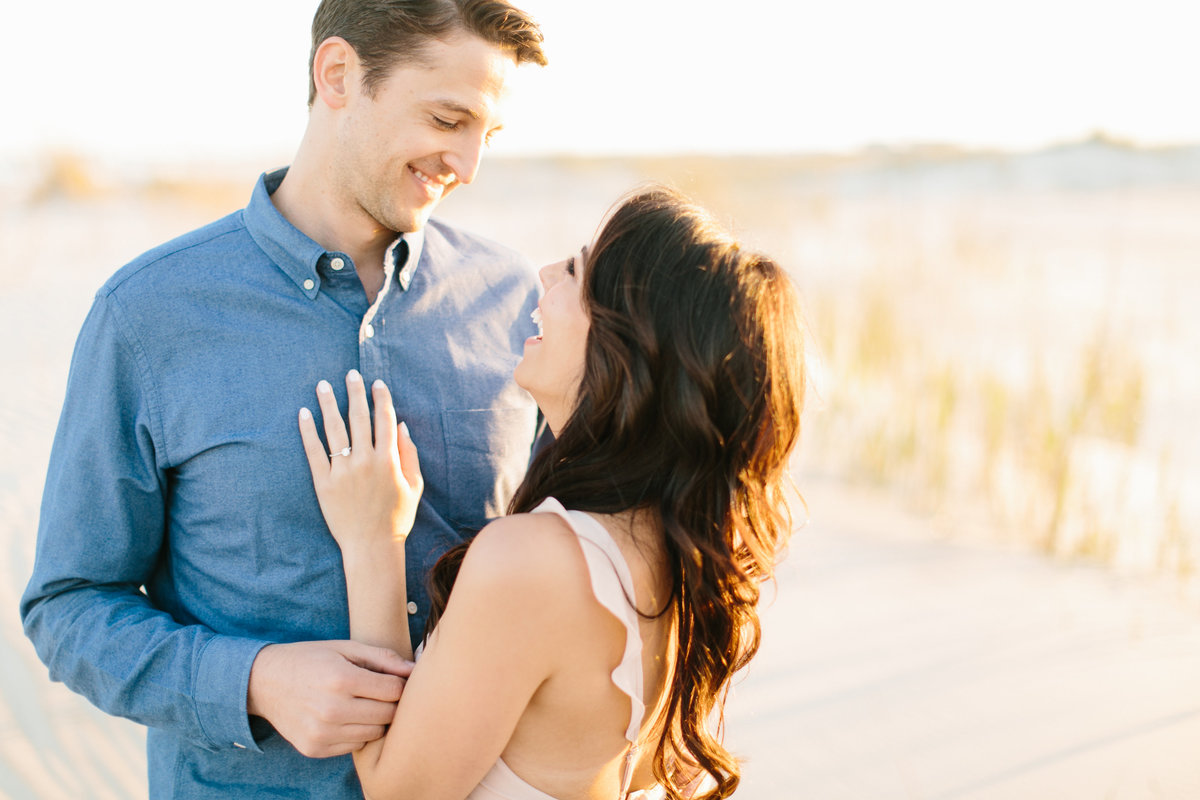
{"x": 612, "y": 583}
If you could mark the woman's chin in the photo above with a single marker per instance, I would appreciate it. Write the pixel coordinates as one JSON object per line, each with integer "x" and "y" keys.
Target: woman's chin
{"x": 519, "y": 376}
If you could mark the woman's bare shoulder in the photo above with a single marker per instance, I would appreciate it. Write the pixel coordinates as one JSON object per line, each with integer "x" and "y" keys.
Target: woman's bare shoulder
{"x": 530, "y": 560}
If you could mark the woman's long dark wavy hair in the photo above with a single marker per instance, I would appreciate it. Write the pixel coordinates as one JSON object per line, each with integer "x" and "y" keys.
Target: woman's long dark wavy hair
{"x": 688, "y": 408}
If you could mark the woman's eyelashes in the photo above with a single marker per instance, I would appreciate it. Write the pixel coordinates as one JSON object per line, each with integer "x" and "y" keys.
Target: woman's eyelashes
{"x": 571, "y": 266}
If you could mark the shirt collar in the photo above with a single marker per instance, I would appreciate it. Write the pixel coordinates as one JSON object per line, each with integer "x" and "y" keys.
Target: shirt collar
{"x": 405, "y": 270}
{"x": 293, "y": 251}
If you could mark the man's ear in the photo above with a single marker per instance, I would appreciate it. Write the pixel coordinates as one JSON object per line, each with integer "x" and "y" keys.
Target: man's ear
{"x": 335, "y": 71}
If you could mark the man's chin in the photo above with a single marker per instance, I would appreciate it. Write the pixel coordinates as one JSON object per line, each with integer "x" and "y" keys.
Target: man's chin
{"x": 408, "y": 222}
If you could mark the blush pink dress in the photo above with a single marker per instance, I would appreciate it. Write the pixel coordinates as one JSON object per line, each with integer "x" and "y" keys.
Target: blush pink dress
{"x": 612, "y": 584}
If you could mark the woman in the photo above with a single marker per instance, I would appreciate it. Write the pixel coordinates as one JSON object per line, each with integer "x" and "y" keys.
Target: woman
{"x": 582, "y": 652}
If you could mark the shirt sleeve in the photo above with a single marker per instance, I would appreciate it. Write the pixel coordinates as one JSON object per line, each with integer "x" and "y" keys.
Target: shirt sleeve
{"x": 101, "y": 535}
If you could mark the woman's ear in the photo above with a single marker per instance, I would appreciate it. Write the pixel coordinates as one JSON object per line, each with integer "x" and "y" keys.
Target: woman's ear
{"x": 335, "y": 71}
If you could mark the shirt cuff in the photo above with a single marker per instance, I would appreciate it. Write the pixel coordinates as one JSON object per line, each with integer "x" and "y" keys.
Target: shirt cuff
{"x": 222, "y": 680}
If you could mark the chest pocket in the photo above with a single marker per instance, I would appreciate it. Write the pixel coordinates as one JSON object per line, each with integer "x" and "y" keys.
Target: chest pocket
{"x": 487, "y": 453}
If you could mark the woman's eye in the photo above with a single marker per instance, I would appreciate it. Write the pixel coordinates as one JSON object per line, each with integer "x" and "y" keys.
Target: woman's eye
{"x": 445, "y": 124}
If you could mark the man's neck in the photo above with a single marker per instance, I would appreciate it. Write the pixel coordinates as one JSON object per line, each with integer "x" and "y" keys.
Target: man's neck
{"x": 335, "y": 224}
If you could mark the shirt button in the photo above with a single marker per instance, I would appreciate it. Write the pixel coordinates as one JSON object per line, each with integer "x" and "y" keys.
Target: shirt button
{"x": 337, "y": 264}
{"x": 370, "y": 330}
{"x": 412, "y": 607}
{"x": 308, "y": 285}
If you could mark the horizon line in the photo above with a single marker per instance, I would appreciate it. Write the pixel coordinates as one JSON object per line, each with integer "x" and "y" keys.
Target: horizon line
{"x": 900, "y": 147}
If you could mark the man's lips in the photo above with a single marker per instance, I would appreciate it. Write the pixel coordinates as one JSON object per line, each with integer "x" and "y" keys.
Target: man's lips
{"x": 437, "y": 185}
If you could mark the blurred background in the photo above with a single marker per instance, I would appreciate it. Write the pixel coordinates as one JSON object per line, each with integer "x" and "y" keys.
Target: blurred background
{"x": 991, "y": 211}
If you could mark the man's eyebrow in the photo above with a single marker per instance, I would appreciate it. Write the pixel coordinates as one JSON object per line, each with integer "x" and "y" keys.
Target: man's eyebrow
{"x": 457, "y": 108}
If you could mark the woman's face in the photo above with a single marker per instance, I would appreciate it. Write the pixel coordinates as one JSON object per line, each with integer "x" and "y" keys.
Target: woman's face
{"x": 552, "y": 365}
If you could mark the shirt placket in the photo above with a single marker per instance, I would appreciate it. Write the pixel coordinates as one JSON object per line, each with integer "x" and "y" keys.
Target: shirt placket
{"x": 372, "y": 330}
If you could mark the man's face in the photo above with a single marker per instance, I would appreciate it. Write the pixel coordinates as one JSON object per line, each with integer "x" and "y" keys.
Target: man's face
{"x": 423, "y": 132}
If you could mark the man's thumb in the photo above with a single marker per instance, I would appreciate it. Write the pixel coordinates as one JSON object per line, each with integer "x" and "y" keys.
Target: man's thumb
{"x": 377, "y": 659}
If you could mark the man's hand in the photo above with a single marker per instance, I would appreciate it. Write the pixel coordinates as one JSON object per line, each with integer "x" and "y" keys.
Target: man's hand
{"x": 326, "y": 698}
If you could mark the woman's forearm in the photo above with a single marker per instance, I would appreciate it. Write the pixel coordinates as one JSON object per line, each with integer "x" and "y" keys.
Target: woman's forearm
{"x": 377, "y": 592}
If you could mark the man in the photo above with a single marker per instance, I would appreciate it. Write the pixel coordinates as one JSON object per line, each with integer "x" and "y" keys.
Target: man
{"x": 184, "y": 576}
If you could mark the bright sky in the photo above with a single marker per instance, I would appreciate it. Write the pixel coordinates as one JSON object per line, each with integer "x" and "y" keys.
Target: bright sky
{"x": 147, "y": 79}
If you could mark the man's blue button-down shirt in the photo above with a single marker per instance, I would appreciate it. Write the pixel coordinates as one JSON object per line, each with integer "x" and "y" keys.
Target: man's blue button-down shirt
{"x": 179, "y": 531}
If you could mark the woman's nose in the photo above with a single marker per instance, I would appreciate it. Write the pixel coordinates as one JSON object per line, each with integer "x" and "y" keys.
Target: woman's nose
{"x": 550, "y": 274}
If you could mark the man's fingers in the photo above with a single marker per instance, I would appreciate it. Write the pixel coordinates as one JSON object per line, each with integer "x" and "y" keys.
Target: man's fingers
{"x": 368, "y": 714}
{"x": 370, "y": 685}
{"x": 339, "y": 748}
{"x": 378, "y": 673}
{"x": 359, "y": 412}
{"x": 375, "y": 659}
{"x": 319, "y": 698}
{"x": 363, "y": 733}
{"x": 385, "y": 417}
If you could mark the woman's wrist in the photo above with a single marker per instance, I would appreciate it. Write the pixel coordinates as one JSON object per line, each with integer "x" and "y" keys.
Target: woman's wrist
{"x": 375, "y": 552}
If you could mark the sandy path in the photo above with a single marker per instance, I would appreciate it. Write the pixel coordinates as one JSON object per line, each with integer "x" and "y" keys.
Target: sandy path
{"x": 898, "y": 665}
{"x": 895, "y": 665}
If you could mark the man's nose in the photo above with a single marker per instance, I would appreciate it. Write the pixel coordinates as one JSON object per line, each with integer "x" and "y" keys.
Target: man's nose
{"x": 464, "y": 159}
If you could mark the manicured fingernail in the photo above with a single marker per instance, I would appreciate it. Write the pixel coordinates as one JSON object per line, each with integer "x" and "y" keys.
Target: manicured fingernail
{"x": 404, "y": 430}
{"x": 305, "y": 414}
{"x": 324, "y": 388}
{"x": 378, "y": 384}
{"x": 353, "y": 375}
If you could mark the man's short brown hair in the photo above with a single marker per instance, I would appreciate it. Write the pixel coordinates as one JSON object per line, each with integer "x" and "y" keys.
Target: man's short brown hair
{"x": 386, "y": 32}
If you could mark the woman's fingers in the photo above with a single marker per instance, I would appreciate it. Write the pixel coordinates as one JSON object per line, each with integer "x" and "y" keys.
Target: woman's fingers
{"x": 410, "y": 464}
{"x": 359, "y": 413}
{"x": 335, "y": 427}
{"x": 375, "y": 491}
{"x": 318, "y": 461}
{"x": 385, "y": 418}
{"x": 389, "y": 435}
{"x": 386, "y": 434}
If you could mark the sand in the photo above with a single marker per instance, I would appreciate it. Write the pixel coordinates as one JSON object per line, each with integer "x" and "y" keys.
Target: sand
{"x": 895, "y": 664}
{"x": 899, "y": 664}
